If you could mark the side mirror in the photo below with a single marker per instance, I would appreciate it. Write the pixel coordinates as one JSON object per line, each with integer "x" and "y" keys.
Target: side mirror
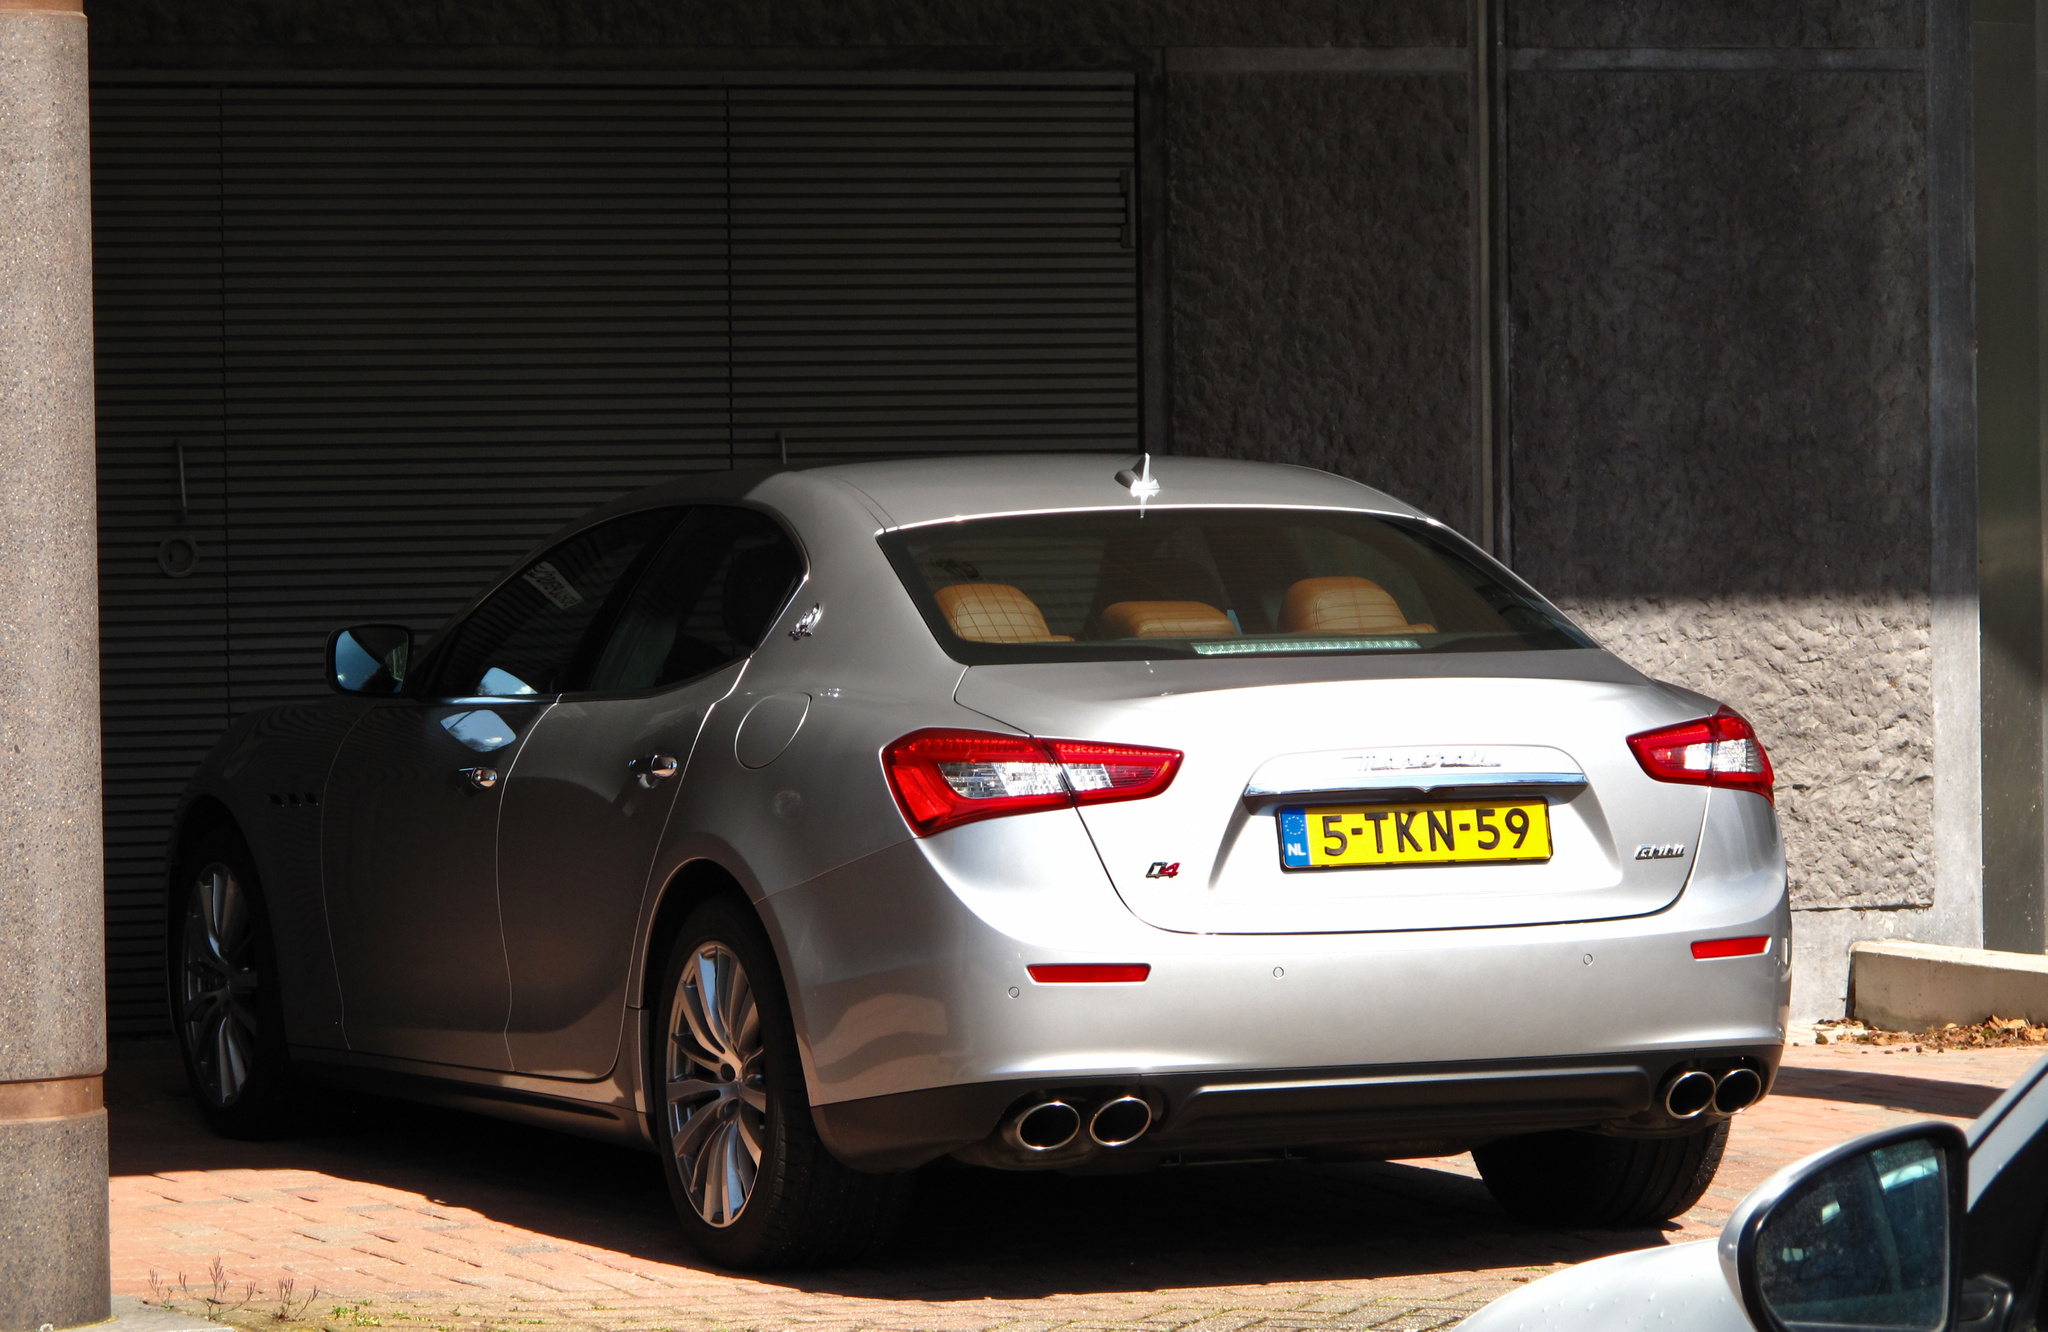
{"x": 368, "y": 658}
{"x": 1866, "y": 1235}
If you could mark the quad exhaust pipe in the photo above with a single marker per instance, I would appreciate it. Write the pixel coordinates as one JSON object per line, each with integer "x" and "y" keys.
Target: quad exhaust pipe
{"x": 1692, "y": 1093}
{"x": 1689, "y": 1094}
{"x": 1739, "y": 1089}
{"x": 1043, "y": 1127}
{"x": 1121, "y": 1121}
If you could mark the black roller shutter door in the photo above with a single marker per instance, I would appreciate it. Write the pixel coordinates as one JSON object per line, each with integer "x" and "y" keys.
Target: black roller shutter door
{"x": 933, "y": 270}
{"x": 163, "y": 640}
{"x": 456, "y": 318}
{"x": 406, "y": 331}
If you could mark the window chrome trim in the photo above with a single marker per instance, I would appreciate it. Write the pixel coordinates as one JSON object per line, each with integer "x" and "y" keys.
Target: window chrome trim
{"x": 1154, "y": 506}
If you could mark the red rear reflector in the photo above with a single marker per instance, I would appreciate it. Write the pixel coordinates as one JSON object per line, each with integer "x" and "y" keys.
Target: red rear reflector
{"x": 1089, "y": 973}
{"x": 945, "y": 777}
{"x": 1749, "y": 946}
{"x": 1721, "y": 750}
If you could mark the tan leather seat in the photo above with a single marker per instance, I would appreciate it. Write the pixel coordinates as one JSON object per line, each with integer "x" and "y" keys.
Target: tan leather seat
{"x": 1344, "y": 605}
{"x": 1166, "y": 619}
{"x": 995, "y": 613}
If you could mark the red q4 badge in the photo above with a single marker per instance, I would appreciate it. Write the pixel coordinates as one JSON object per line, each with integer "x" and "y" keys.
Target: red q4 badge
{"x": 1162, "y": 870}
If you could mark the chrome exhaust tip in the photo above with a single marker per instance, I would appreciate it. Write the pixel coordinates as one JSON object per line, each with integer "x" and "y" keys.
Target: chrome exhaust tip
{"x": 1686, "y": 1095}
{"x": 1044, "y": 1127}
{"x": 1740, "y": 1089}
{"x": 1121, "y": 1121}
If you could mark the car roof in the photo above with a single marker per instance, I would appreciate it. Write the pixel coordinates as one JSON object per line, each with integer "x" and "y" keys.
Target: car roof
{"x": 922, "y": 490}
{"x": 906, "y": 492}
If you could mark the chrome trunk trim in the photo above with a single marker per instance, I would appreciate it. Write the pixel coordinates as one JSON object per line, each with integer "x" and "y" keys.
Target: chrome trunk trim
{"x": 1413, "y": 768}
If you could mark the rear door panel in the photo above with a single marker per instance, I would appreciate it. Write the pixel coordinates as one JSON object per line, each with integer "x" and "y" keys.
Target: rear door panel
{"x": 575, "y": 845}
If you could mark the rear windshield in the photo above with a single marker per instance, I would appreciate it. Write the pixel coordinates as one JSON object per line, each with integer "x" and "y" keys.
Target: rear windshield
{"x": 1213, "y": 582}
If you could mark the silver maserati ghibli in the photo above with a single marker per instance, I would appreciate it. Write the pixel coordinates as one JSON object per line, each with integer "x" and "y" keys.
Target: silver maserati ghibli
{"x": 1056, "y": 812}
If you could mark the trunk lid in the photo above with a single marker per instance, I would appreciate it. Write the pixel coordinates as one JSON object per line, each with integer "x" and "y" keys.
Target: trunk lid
{"x": 1261, "y": 736}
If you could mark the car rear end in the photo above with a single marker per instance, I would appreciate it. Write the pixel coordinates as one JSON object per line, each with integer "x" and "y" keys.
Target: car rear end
{"x": 1297, "y": 827}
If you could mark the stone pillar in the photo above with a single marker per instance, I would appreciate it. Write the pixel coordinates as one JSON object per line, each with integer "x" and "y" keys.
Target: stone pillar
{"x": 53, "y": 1131}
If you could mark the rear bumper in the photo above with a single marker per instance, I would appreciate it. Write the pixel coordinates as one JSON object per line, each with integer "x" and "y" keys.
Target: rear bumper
{"x": 1413, "y": 1110}
{"x": 920, "y": 1023}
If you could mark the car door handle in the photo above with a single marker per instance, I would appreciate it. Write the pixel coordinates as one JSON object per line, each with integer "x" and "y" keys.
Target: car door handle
{"x": 653, "y": 768}
{"x": 483, "y": 779}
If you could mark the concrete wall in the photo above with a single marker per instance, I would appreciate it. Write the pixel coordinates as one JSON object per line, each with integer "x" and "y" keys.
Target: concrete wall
{"x": 1321, "y": 282}
{"x": 1722, "y": 452}
{"x": 1723, "y": 446}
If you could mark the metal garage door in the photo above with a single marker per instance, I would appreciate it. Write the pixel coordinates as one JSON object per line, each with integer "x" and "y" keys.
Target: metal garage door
{"x": 398, "y": 333}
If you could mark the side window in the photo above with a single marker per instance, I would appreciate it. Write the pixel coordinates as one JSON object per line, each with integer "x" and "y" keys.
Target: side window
{"x": 705, "y": 599}
{"x": 523, "y": 639}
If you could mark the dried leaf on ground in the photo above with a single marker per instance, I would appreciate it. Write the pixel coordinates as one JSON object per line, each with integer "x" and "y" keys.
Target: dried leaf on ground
{"x": 1992, "y": 1033}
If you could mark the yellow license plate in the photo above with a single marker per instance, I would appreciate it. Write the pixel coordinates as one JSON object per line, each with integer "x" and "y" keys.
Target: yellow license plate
{"x": 1320, "y": 836}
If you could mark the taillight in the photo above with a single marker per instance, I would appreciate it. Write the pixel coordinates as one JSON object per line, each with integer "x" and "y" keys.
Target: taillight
{"x": 946, "y": 777}
{"x": 1098, "y": 774}
{"x": 1721, "y": 750}
{"x": 942, "y": 778}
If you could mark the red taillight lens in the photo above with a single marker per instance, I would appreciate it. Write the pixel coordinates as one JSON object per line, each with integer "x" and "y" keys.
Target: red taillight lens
{"x": 1754, "y": 945}
{"x": 942, "y": 778}
{"x": 1098, "y": 774}
{"x": 1721, "y": 750}
{"x": 946, "y": 777}
{"x": 1089, "y": 973}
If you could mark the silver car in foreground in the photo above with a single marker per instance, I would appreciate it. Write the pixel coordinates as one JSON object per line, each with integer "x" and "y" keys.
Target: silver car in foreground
{"x": 1914, "y": 1228}
{"x": 1057, "y": 812}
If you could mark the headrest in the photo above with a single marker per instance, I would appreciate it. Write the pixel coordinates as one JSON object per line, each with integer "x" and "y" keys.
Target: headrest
{"x": 1166, "y": 619}
{"x": 995, "y": 613}
{"x": 1343, "y": 605}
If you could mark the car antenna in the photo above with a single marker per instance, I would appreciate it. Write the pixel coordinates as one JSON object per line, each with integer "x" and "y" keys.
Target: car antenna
{"x": 1140, "y": 482}
{"x": 783, "y": 440}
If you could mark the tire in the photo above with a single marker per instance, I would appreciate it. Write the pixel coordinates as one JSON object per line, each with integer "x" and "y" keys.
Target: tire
{"x": 753, "y": 1186}
{"x": 1589, "y": 1179}
{"x": 224, "y": 995}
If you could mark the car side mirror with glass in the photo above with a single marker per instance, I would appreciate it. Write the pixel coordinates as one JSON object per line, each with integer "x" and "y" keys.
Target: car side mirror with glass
{"x": 1864, "y": 1236}
{"x": 368, "y": 658}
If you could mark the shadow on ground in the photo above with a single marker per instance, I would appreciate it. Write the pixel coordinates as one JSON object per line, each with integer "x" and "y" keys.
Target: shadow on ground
{"x": 1926, "y": 1096}
{"x": 974, "y": 1232}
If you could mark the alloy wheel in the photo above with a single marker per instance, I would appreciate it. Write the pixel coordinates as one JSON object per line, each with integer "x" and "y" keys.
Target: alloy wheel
{"x": 219, "y": 983}
{"x": 717, "y": 1084}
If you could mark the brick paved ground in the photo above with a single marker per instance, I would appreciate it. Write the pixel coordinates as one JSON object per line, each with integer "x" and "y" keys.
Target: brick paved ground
{"x": 403, "y": 1215}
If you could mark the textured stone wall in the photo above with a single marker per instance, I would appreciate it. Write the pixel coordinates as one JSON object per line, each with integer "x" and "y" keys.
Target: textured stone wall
{"x": 1716, "y": 23}
{"x": 1322, "y": 280}
{"x": 1720, "y": 439}
{"x": 1839, "y": 687}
